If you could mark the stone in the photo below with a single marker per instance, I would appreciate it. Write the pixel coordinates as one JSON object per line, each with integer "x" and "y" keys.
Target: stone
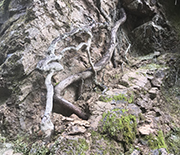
{"x": 112, "y": 92}
{"x": 153, "y": 92}
{"x": 134, "y": 109}
{"x": 156, "y": 82}
{"x": 144, "y": 103}
{"x": 135, "y": 152}
{"x": 161, "y": 151}
{"x": 8, "y": 152}
{"x": 77, "y": 129}
{"x": 146, "y": 129}
{"x": 136, "y": 79}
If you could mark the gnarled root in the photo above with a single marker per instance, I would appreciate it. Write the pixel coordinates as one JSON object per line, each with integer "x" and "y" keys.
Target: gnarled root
{"x": 88, "y": 73}
{"x": 50, "y": 64}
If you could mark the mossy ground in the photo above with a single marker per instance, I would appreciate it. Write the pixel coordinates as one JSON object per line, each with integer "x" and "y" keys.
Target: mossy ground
{"x": 29, "y": 145}
{"x": 102, "y": 144}
{"x": 120, "y": 126}
{"x": 24, "y": 145}
{"x": 71, "y": 146}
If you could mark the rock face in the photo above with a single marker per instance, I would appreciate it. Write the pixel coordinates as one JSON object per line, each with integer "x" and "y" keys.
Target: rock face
{"x": 139, "y": 89}
{"x": 150, "y": 30}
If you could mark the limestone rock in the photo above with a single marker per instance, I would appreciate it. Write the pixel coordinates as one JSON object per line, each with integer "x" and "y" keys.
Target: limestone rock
{"x": 146, "y": 129}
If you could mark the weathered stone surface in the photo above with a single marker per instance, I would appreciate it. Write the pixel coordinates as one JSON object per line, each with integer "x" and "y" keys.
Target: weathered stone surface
{"x": 135, "y": 152}
{"x": 8, "y": 152}
{"x": 17, "y": 154}
{"x": 156, "y": 82}
{"x": 146, "y": 129}
{"x": 76, "y": 129}
{"x": 145, "y": 103}
{"x": 161, "y": 151}
{"x": 153, "y": 92}
{"x": 136, "y": 79}
{"x": 134, "y": 109}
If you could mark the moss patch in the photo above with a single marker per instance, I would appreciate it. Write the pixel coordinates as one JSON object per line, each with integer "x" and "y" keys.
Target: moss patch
{"x": 29, "y": 145}
{"x": 72, "y": 146}
{"x": 120, "y": 97}
{"x": 120, "y": 126}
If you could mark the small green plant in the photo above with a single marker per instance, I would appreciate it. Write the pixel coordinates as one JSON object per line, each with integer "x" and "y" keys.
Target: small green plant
{"x": 119, "y": 97}
{"x": 156, "y": 142}
{"x": 131, "y": 78}
{"x": 105, "y": 99}
{"x": 131, "y": 98}
{"x": 21, "y": 146}
{"x": 57, "y": 83}
{"x": 37, "y": 149}
{"x": 116, "y": 76}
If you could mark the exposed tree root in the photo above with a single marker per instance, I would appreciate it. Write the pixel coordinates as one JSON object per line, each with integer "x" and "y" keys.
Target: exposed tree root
{"x": 89, "y": 72}
{"x": 50, "y": 64}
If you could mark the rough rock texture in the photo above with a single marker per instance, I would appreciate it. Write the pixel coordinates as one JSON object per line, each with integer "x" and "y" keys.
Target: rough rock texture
{"x": 145, "y": 87}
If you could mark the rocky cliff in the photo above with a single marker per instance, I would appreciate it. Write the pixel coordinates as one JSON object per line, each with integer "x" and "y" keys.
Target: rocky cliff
{"x": 111, "y": 75}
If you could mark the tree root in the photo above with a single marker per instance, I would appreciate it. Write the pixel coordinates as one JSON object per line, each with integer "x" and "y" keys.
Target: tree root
{"x": 50, "y": 64}
{"x": 89, "y": 72}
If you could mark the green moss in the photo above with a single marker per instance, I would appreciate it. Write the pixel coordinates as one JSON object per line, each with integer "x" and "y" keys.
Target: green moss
{"x": 120, "y": 97}
{"x": 73, "y": 146}
{"x": 21, "y": 145}
{"x": 156, "y": 142}
{"x": 29, "y": 145}
{"x": 105, "y": 99}
{"x": 119, "y": 125}
{"x": 82, "y": 147}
